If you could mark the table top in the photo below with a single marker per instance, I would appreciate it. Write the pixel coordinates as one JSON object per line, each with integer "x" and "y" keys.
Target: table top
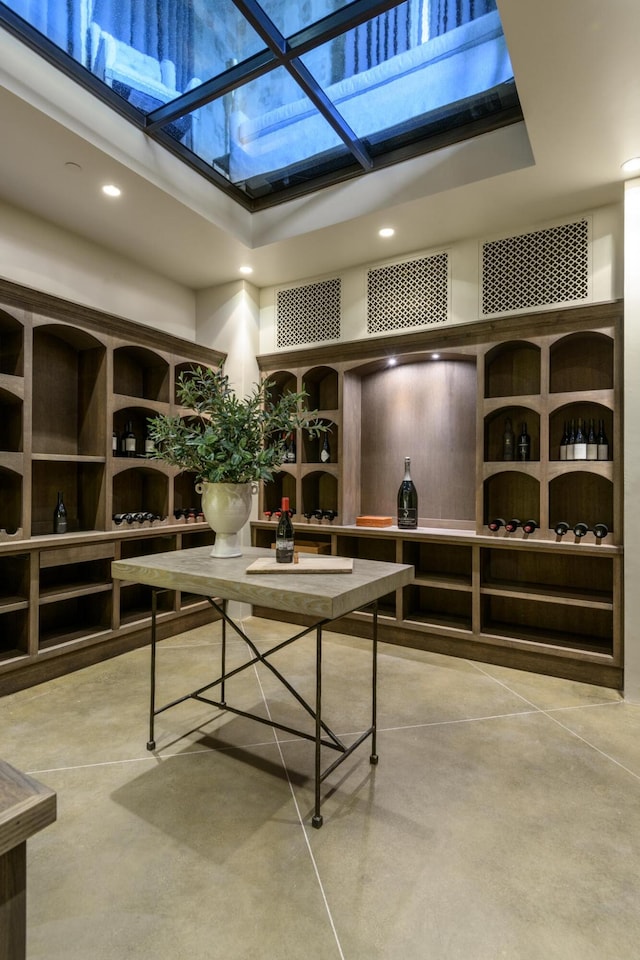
{"x": 325, "y": 595}
{"x": 26, "y": 806}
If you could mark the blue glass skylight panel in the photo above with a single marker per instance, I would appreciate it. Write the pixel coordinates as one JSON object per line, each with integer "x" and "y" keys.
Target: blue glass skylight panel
{"x": 290, "y": 18}
{"x": 273, "y": 126}
{"x": 395, "y": 76}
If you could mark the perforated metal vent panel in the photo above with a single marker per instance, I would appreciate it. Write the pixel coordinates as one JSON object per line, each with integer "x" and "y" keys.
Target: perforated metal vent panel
{"x": 544, "y": 268}
{"x": 408, "y": 294}
{"x": 308, "y": 314}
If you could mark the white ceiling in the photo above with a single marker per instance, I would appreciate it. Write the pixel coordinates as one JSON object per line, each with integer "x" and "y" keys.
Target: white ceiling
{"x": 576, "y": 69}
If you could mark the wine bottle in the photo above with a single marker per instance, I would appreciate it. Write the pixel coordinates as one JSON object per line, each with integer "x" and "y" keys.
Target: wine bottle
{"x": 115, "y": 443}
{"x": 529, "y": 526}
{"x": 149, "y": 446}
{"x": 581, "y": 530}
{"x": 561, "y": 528}
{"x": 495, "y": 525}
{"x": 325, "y": 453}
{"x": 571, "y": 441}
{"x": 600, "y": 530}
{"x": 284, "y": 535}
{"x": 563, "y": 442}
{"x": 407, "y": 500}
{"x": 603, "y": 443}
{"x": 60, "y": 516}
{"x": 129, "y": 441}
{"x": 580, "y": 443}
{"x": 524, "y": 444}
{"x": 290, "y": 450}
{"x": 507, "y": 440}
{"x": 592, "y": 443}
{"x": 512, "y": 526}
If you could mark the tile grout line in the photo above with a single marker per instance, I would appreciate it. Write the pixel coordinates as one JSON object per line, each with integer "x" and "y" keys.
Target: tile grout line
{"x": 563, "y": 726}
{"x": 301, "y": 821}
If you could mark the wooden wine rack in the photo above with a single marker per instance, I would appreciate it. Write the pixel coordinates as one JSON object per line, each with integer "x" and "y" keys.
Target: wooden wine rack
{"x": 538, "y": 602}
{"x": 69, "y": 376}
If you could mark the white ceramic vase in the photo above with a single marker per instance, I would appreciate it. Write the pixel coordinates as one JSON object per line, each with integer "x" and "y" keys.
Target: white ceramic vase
{"x": 226, "y": 508}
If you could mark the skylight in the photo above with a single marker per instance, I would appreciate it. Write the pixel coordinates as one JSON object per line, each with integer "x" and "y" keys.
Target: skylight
{"x": 270, "y": 104}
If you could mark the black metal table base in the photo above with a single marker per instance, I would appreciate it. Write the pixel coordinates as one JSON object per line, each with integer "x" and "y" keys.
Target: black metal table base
{"x": 323, "y": 736}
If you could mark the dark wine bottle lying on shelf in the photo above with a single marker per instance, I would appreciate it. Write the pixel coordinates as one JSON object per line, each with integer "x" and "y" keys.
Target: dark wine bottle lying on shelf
{"x": 600, "y": 530}
{"x": 496, "y": 524}
{"x": 512, "y": 526}
{"x": 529, "y": 526}
{"x": 561, "y": 528}
{"x": 581, "y": 530}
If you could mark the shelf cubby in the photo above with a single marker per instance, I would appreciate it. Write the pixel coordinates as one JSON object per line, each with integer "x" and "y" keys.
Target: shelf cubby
{"x": 83, "y": 487}
{"x": 11, "y": 345}
{"x": 10, "y": 422}
{"x": 312, "y": 446}
{"x": 14, "y": 634}
{"x": 511, "y": 493}
{"x": 569, "y": 627}
{"x": 367, "y": 548}
{"x": 579, "y": 410}
{"x": 445, "y": 563}
{"x": 69, "y": 365}
{"x": 560, "y": 577}
{"x": 135, "y": 602}
{"x": 319, "y": 492}
{"x": 282, "y": 485}
{"x": 512, "y": 369}
{"x": 141, "y": 489}
{"x": 494, "y": 426}
{"x": 139, "y": 372}
{"x": 581, "y": 361}
{"x": 321, "y": 385}
{"x": 434, "y": 605}
{"x": 11, "y": 500}
{"x": 579, "y": 496}
{"x": 84, "y": 577}
{"x": 184, "y": 493}
{"x": 138, "y": 417}
{"x": 282, "y": 381}
{"x": 200, "y": 535}
{"x": 64, "y": 621}
{"x": 143, "y": 546}
{"x": 184, "y": 370}
{"x": 14, "y": 580}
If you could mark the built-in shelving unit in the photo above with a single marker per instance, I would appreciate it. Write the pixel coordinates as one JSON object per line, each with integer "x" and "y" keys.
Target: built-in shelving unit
{"x": 538, "y": 601}
{"x": 69, "y": 378}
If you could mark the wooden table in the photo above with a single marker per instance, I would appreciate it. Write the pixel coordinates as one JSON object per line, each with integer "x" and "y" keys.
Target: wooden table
{"x": 325, "y": 596}
{"x": 26, "y": 806}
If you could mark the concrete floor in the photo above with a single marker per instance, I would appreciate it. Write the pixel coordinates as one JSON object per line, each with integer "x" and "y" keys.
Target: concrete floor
{"x": 502, "y": 821}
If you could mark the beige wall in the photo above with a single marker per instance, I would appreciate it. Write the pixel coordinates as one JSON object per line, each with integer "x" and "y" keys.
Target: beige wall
{"x": 40, "y": 255}
{"x": 632, "y": 439}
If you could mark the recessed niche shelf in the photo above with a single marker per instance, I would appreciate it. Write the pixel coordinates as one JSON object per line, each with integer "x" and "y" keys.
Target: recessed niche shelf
{"x": 512, "y": 369}
{"x": 581, "y": 361}
{"x": 11, "y": 345}
{"x": 321, "y": 384}
{"x": 139, "y": 372}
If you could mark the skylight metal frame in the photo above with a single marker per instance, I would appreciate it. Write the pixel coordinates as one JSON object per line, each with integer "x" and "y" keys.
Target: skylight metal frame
{"x": 280, "y": 51}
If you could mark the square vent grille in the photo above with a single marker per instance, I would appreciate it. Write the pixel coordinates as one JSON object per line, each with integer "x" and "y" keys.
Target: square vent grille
{"x": 308, "y": 314}
{"x": 544, "y": 268}
{"x": 409, "y": 294}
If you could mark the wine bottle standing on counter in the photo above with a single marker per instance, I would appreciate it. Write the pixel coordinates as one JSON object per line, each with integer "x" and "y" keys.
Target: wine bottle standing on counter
{"x": 129, "y": 442}
{"x": 60, "y": 516}
{"x": 284, "y": 535}
{"x": 602, "y": 442}
{"x": 524, "y": 444}
{"x": 592, "y": 443}
{"x": 407, "y": 500}
{"x": 508, "y": 440}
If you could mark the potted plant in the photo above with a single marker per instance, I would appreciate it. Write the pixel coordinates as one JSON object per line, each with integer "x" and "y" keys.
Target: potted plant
{"x": 229, "y": 444}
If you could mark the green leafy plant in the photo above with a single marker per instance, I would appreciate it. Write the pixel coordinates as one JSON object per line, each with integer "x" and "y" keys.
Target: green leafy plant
{"x": 228, "y": 439}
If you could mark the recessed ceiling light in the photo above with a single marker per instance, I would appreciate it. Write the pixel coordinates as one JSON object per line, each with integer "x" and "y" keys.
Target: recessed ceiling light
{"x": 246, "y": 269}
{"x": 391, "y": 362}
{"x": 110, "y": 190}
{"x": 632, "y": 165}
{"x": 435, "y": 356}
{"x": 386, "y": 232}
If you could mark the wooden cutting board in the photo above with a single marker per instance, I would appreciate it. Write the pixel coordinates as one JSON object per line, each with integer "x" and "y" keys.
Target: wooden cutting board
{"x": 306, "y": 564}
